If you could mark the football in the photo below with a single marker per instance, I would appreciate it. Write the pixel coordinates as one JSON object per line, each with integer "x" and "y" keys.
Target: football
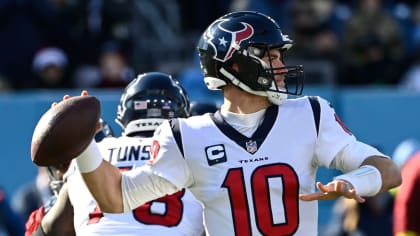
{"x": 65, "y": 130}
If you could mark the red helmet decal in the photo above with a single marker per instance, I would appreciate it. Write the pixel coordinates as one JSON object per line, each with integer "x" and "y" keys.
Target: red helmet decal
{"x": 227, "y": 41}
{"x": 238, "y": 37}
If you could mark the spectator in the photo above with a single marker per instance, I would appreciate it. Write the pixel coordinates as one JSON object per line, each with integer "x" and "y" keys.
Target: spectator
{"x": 311, "y": 29}
{"x": 114, "y": 69}
{"x": 316, "y": 41}
{"x": 197, "y": 15}
{"x": 26, "y": 26}
{"x": 277, "y": 9}
{"x": 86, "y": 76}
{"x": 50, "y": 69}
{"x": 373, "y": 47}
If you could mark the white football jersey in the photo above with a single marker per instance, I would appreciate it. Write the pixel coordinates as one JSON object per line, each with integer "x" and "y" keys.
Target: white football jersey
{"x": 251, "y": 186}
{"x": 177, "y": 214}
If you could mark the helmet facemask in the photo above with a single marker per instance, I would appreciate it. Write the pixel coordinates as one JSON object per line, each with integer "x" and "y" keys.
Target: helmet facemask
{"x": 56, "y": 176}
{"x": 258, "y": 77}
{"x": 293, "y": 80}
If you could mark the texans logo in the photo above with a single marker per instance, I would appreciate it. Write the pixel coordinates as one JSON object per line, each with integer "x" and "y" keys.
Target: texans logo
{"x": 225, "y": 42}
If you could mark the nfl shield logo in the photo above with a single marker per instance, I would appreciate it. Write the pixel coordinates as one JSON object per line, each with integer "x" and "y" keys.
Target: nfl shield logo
{"x": 251, "y": 146}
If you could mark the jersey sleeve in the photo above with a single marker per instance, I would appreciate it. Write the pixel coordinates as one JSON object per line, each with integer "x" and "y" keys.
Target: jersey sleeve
{"x": 333, "y": 134}
{"x": 34, "y": 221}
{"x": 337, "y": 147}
{"x": 167, "y": 160}
{"x": 165, "y": 173}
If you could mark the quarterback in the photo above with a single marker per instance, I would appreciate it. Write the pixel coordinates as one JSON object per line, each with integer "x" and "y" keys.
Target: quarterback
{"x": 252, "y": 164}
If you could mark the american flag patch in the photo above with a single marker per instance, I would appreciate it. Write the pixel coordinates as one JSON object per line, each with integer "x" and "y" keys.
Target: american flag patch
{"x": 140, "y": 105}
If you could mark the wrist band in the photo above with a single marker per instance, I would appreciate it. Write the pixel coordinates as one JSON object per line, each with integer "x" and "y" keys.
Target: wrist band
{"x": 366, "y": 180}
{"x": 90, "y": 159}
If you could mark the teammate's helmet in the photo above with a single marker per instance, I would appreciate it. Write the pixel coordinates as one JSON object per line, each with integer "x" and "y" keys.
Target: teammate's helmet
{"x": 150, "y": 99}
{"x": 106, "y": 131}
{"x": 243, "y": 38}
{"x": 200, "y": 108}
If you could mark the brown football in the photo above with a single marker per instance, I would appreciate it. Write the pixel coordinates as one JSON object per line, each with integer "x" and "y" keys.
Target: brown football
{"x": 65, "y": 130}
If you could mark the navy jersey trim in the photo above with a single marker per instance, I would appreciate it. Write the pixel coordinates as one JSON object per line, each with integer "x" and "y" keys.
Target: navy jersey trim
{"x": 259, "y": 135}
{"x": 316, "y": 110}
{"x": 174, "y": 123}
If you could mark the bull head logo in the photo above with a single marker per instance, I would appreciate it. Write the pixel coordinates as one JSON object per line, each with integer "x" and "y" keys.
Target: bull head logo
{"x": 224, "y": 41}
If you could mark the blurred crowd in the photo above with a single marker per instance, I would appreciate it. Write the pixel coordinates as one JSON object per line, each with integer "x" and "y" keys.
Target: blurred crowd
{"x": 104, "y": 43}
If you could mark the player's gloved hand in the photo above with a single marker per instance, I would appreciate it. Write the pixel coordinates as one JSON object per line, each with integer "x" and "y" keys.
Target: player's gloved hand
{"x": 34, "y": 221}
{"x": 333, "y": 190}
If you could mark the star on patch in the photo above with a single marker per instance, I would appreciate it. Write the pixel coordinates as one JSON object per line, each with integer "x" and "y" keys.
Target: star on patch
{"x": 222, "y": 41}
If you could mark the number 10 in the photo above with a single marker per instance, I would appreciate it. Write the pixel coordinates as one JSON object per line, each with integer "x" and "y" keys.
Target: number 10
{"x": 235, "y": 184}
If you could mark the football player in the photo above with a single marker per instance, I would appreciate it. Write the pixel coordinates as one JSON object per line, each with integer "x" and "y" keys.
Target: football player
{"x": 146, "y": 102}
{"x": 253, "y": 163}
{"x": 105, "y": 130}
{"x": 56, "y": 184}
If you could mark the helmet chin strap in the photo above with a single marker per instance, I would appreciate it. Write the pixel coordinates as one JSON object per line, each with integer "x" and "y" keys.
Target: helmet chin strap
{"x": 214, "y": 83}
{"x": 239, "y": 84}
{"x": 276, "y": 98}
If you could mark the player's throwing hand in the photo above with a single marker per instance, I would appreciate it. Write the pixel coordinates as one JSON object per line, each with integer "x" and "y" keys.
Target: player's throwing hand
{"x": 332, "y": 190}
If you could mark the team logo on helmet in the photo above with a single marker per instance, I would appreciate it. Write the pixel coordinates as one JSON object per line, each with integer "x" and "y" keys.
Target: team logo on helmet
{"x": 224, "y": 41}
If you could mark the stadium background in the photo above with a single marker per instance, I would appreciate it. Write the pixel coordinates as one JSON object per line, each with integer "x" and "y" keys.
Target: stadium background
{"x": 381, "y": 116}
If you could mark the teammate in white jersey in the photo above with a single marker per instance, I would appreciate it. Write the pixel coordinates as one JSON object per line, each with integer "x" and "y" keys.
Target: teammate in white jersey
{"x": 253, "y": 163}
{"x": 146, "y": 102}
{"x": 63, "y": 209}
